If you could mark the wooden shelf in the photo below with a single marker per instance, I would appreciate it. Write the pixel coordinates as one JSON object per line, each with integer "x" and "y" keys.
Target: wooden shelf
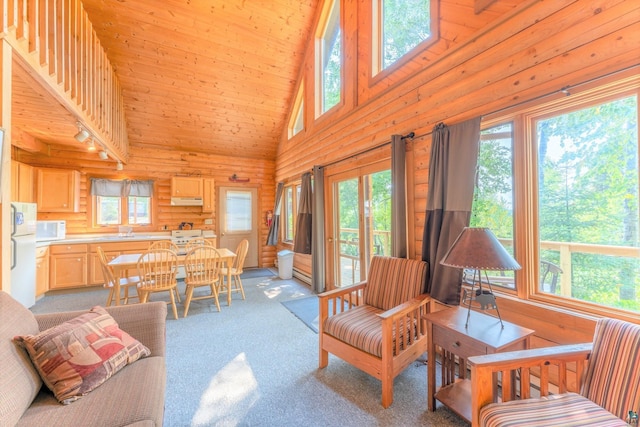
{"x": 456, "y": 397}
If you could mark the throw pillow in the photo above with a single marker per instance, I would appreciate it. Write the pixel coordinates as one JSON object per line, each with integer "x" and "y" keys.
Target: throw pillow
{"x": 77, "y": 356}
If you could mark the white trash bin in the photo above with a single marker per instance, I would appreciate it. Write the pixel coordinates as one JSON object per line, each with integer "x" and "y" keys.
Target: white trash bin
{"x": 285, "y": 264}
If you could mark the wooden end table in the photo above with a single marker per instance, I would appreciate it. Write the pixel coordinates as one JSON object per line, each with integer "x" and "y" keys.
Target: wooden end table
{"x": 484, "y": 335}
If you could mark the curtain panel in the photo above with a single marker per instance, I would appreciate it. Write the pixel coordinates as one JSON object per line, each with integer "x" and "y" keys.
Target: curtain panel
{"x": 452, "y": 170}
{"x": 274, "y": 229}
{"x": 318, "y": 232}
{"x": 398, "y": 197}
{"x": 303, "y": 238}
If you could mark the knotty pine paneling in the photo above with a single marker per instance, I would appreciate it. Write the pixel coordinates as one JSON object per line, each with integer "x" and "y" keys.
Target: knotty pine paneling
{"x": 160, "y": 165}
{"x": 513, "y": 51}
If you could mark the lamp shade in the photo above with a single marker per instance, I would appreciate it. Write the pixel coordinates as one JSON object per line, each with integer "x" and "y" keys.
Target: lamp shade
{"x": 479, "y": 249}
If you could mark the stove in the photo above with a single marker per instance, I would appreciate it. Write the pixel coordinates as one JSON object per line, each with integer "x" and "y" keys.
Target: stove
{"x": 182, "y": 237}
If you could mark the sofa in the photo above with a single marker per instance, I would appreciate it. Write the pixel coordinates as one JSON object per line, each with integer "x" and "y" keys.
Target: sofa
{"x": 133, "y": 396}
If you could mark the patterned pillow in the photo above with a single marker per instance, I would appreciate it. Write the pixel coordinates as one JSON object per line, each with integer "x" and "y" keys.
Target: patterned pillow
{"x": 77, "y": 356}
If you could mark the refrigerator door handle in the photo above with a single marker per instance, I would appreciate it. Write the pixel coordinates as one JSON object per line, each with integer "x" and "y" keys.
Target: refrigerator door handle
{"x": 13, "y": 221}
{"x": 14, "y": 254}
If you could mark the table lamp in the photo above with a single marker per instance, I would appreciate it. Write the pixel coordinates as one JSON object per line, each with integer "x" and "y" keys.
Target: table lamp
{"x": 478, "y": 249}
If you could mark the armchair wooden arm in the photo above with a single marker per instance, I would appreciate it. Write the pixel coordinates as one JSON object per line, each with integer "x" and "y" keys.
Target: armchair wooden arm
{"x": 549, "y": 367}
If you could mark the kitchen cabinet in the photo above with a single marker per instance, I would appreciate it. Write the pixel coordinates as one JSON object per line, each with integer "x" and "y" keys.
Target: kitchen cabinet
{"x": 58, "y": 190}
{"x": 22, "y": 182}
{"x": 42, "y": 270}
{"x": 186, "y": 186}
{"x": 208, "y": 197}
{"x": 68, "y": 266}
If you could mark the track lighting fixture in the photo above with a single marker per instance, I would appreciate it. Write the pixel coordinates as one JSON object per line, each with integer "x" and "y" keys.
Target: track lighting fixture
{"x": 82, "y": 134}
{"x": 119, "y": 166}
{"x": 91, "y": 145}
{"x": 103, "y": 155}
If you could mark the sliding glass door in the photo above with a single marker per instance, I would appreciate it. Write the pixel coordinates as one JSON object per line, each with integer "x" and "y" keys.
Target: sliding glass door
{"x": 360, "y": 224}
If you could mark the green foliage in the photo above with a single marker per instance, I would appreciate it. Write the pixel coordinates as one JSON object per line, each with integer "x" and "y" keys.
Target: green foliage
{"x": 405, "y": 24}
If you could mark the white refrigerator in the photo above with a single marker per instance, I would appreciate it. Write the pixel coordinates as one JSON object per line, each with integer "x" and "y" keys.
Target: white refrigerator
{"x": 23, "y": 252}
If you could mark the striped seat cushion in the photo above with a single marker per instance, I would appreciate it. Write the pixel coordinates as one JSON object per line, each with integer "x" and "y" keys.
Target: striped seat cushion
{"x": 566, "y": 410}
{"x": 612, "y": 380}
{"x": 393, "y": 281}
{"x": 359, "y": 327}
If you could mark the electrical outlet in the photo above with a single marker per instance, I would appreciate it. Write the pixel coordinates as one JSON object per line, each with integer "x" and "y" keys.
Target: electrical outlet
{"x": 208, "y": 221}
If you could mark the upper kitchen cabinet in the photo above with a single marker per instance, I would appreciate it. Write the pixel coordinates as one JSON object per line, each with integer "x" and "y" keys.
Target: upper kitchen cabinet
{"x": 22, "y": 182}
{"x": 208, "y": 198}
{"x": 58, "y": 190}
{"x": 186, "y": 186}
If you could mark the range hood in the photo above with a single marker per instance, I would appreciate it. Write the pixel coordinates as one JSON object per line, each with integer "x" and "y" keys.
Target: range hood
{"x": 186, "y": 201}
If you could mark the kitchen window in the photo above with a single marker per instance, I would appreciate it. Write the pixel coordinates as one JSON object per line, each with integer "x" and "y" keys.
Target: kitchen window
{"x": 126, "y": 202}
{"x": 564, "y": 176}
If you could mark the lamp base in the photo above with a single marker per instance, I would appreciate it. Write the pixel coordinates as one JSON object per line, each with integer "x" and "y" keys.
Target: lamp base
{"x": 485, "y": 298}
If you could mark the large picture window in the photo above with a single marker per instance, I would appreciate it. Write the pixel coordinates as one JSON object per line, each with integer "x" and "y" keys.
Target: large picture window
{"x": 558, "y": 183}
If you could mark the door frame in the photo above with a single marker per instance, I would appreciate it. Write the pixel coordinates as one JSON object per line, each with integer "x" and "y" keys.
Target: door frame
{"x": 254, "y": 250}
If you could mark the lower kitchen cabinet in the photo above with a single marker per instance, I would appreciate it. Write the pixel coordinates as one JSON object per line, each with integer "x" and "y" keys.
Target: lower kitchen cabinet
{"x": 111, "y": 250}
{"x": 42, "y": 270}
{"x": 68, "y": 266}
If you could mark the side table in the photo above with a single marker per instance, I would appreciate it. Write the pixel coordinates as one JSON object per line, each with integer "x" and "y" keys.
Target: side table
{"x": 484, "y": 335}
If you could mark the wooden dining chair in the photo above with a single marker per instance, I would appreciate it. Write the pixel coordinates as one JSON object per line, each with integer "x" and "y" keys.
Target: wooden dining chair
{"x": 236, "y": 269}
{"x": 202, "y": 267}
{"x": 164, "y": 244}
{"x": 198, "y": 241}
{"x": 158, "y": 269}
{"x": 110, "y": 281}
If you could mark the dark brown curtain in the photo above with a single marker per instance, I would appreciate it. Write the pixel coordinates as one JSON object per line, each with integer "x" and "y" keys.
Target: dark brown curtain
{"x": 318, "y": 234}
{"x": 398, "y": 197}
{"x": 452, "y": 170}
{"x": 274, "y": 229}
{"x": 302, "y": 239}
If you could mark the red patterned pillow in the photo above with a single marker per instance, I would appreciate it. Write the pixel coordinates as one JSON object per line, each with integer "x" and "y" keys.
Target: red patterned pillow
{"x": 77, "y": 356}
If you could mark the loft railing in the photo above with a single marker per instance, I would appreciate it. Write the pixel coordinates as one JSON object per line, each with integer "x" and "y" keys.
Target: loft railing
{"x": 56, "y": 40}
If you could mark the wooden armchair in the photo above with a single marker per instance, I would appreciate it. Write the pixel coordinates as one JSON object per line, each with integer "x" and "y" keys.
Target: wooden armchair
{"x": 605, "y": 390}
{"x": 377, "y": 325}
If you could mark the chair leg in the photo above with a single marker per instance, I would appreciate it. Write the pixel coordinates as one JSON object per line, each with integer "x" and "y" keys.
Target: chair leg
{"x": 214, "y": 292}
{"x": 110, "y": 297}
{"x": 189, "y": 295}
{"x": 173, "y": 303}
{"x": 387, "y": 392}
{"x": 239, "y": 284}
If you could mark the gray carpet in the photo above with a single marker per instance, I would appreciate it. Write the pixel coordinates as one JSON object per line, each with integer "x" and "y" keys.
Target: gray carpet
{"x": 255, "y": 364}
{"x": 305, "y": 309}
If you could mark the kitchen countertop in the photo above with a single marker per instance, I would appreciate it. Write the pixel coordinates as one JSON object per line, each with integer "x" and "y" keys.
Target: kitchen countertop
{"x": 109, "y": 237}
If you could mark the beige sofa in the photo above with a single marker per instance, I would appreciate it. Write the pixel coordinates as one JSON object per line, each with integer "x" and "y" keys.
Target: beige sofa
{"x": 133, "y": 396}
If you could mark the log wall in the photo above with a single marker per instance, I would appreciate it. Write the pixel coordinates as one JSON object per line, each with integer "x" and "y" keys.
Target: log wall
{"x": 160, "y": 165}
{"x": 510, "y": 52}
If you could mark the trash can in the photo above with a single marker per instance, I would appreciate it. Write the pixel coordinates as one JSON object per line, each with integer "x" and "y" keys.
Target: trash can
{"x": 285, "y": 264}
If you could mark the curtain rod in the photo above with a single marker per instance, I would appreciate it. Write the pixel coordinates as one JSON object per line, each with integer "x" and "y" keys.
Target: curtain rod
{"x": 566, "y": 90}
{"x": 407, "y": 136}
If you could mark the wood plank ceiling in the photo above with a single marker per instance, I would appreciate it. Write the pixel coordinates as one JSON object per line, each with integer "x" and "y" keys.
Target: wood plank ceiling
{"x": 197, "y": 75}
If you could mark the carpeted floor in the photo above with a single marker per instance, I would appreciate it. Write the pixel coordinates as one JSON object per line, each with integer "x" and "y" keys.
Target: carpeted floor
{"x": 255, "y": 363}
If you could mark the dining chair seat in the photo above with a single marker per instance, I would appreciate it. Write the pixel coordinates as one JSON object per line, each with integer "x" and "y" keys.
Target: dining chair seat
{"x": 158, "y": 269}
{"x": 202, "y": 268}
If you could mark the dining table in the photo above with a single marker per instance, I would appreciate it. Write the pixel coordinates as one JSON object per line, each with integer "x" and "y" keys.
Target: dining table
{"x": 124, "y": 262}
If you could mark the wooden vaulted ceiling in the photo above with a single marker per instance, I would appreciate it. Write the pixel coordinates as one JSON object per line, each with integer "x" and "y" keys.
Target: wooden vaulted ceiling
{"x": 213, "y": 76}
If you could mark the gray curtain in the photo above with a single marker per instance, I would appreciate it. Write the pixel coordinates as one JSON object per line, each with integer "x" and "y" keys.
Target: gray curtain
{"x": 274, "y": 229}
{"x": 452, "y": 170}
{"x": 317, "y": 231}
{"x": 398, "y": 198}
{"x": 303, "y": 237}
{"x": 123, "y": 188}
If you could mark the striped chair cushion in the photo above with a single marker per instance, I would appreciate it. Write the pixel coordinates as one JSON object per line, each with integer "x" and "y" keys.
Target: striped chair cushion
{"x": 612, "y": 380}
{"x": 566, "y": 410}
{"x": 359, "y": 327}
{"x": 393, "y": 281}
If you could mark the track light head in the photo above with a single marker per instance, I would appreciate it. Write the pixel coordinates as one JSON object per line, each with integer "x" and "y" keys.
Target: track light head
{"x": 91, "y": 145}
{"x": 103, "y": 155}
{"x": 119, "y": 166}
{"x": 82, "y": 135}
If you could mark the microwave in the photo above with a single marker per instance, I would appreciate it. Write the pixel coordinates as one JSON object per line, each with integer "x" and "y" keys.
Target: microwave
{"x": 50, "y": 230}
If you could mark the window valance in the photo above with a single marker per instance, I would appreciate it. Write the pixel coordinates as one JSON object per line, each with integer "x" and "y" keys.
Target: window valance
{"x": 123, "y": 188}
